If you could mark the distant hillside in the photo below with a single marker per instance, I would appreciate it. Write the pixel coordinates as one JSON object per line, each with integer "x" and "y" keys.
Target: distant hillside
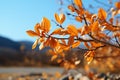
{"x": 7, "y": 43}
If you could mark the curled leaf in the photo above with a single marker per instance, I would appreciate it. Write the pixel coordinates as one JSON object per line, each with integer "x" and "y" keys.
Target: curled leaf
{"x": 60, "y": 18}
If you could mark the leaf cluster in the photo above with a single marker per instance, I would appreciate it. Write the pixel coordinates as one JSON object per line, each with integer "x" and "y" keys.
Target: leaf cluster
{"x": 99, "y": 30}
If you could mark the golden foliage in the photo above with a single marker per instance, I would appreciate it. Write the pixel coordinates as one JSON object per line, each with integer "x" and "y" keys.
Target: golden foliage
{"x": 97, "y": 30}
{"x": 79, "y": 19}
{"x": 102, "y": 14}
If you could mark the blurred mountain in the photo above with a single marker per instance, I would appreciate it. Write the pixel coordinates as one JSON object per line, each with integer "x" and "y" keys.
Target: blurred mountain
{"x": 7, "y": 43}
{"x": 20, "y": 53}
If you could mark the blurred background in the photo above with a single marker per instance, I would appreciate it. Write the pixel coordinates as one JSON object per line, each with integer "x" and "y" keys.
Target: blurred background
{"x": 17, "y": 16}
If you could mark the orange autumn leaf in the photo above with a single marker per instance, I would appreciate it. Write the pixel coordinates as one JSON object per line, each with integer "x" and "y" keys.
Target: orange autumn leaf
{"x": 102, "y": 14}
{"x": 95, "y": 27}
{"x": 53, "y": 42}
{"x": 78, "y": 3}
{"x": 45, "y": 25}
{"x": 117, "y": 5}
{"x": 71, "y": 40}
{"x": 60, "y": 18}
{"x": 31, "y": 33}
{"x": 36, "y": 28}
{"x": 71, "y": 8}
{"x": 35, "y": 44}
{"x": 79, "y": 19}
{"x": 72, "y": 30}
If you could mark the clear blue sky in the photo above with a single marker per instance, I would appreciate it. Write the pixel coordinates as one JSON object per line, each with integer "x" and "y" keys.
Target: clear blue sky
{"x": 17, "y": 16}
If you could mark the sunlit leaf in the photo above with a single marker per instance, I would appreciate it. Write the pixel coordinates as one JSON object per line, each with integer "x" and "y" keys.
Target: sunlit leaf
{"x": 72, "y": 30}
{"x": 32, "y": 33}
{"x": 36, "y": 28}
{"x": 71, "y": 8}
{"x": 117, "y": 5}
{"x": 95, "y": 27}
{"x": 78, "y": 3}
{"x": 35, "y": 44}
{"x": 102, "y": 14}
{"x": 79, "y": 19}
{"x": 60, "y": 18}
{"x": 45, "y": 25}
{"x": 71, "y": 40}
